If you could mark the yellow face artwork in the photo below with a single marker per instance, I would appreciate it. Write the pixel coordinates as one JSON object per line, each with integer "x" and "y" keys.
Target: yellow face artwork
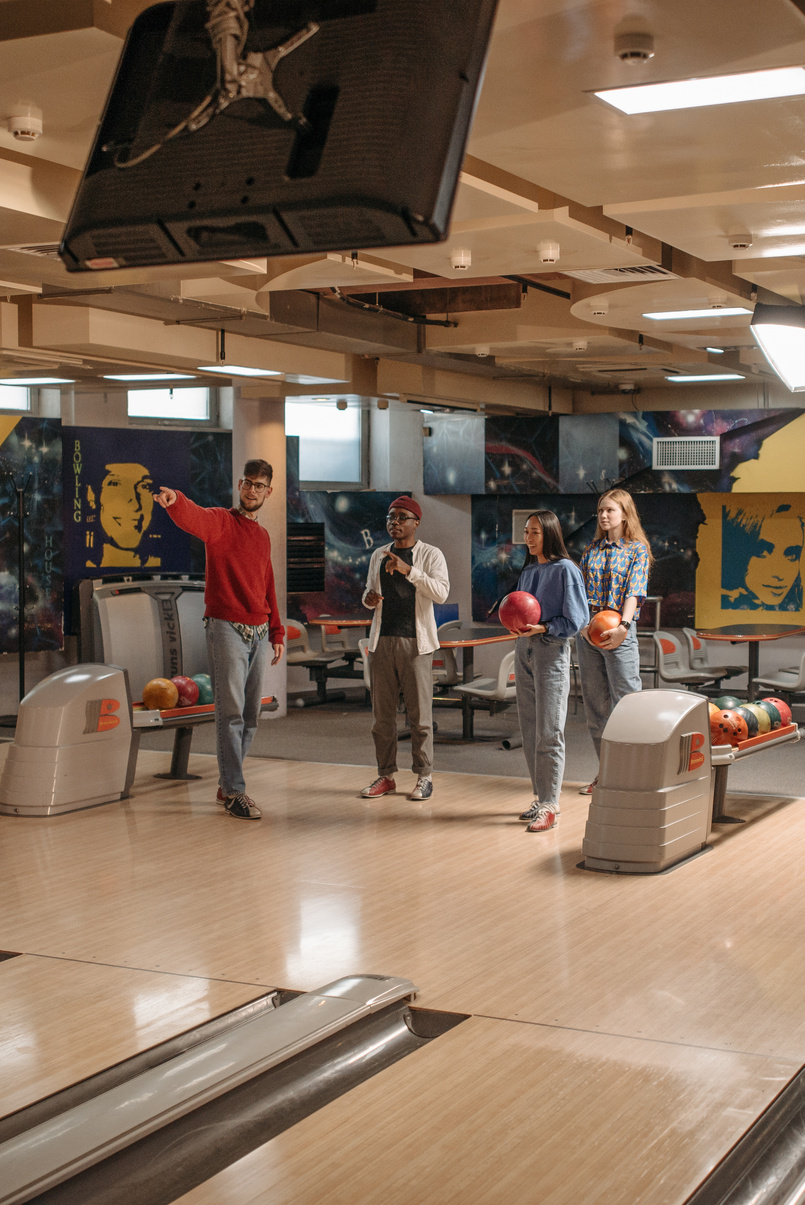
{"x": 126, "y": 503}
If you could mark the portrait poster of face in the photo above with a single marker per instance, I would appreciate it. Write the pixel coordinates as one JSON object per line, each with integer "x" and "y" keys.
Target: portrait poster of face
{"x": 112, "y": 524}
{"x": 750, "y": 559}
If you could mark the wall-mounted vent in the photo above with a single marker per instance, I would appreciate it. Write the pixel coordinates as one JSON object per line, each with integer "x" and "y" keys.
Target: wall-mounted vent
{"x": 601, "y": 276}
{"x": 687, "y": 452}
{"x": 43, "y": 250}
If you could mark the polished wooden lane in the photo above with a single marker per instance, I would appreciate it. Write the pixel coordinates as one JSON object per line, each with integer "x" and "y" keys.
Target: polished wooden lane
{"x": 64, "y": 1021}
{"x": 497, "y": 1112}
{"x": 577, "y": 982}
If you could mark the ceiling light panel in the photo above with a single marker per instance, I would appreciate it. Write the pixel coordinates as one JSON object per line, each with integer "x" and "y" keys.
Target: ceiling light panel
{"x": 704, "y": 92}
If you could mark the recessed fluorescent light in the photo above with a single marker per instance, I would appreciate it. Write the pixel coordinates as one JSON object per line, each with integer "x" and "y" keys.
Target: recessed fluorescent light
{"x": 713, "y": 90}
{"x": 26, "y": 381}
{"x": 726, "y": 311}
{"x": 149, "y": 376}
{"x": 717, "y": 351}
{"x": 239, "y": 370}
{"x": 710, "y": 376}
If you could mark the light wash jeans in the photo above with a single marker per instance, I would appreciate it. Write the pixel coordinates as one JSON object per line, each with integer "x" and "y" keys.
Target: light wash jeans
{"x": 542, "y": 681}
{"x": 236, "y": 670}
{"x": 606, "y": 676}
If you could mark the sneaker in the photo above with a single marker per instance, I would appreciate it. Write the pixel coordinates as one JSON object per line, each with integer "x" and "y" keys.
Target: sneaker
{"x": 545, "y": 818}
{"x": 589, "y": 790}
{"x": 423, "y": 789}
{"x": 221, "y": 797}
{"x": 242, "y": 807}
{"x": 380, "y": 786}
{"x": 532, "y": 812}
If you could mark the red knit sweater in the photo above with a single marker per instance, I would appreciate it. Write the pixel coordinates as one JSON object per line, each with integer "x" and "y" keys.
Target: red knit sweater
{"x": 239, "y": 577}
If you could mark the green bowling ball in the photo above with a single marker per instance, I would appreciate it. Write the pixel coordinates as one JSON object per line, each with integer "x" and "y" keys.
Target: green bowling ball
{"x": 728, "y": 702}
{"x": 751, "y": 719}
{"x": 204, "y": 685}
{"x": 774, "y": 714}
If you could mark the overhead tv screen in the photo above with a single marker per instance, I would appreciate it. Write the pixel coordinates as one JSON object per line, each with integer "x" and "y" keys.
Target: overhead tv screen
{"x": 268, "y": 127}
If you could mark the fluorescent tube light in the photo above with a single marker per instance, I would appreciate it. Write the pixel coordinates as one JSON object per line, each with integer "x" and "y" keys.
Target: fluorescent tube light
{"x": 717, "y": 351}
{"x": 239, "y": 370}
{"x": 779, "y": 331}
{"x": 149, "y": 376}
{"x": 710, "y": 376}
{"x": 726, "y": 311}
{"x": 24, "y": 382}
{"x": 712, "y": 90}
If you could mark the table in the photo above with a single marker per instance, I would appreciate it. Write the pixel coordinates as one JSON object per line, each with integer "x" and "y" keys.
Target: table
{"x": 751, "y": 634}
{"x": 474, "y": 637}
{"x": 328, "y": 670}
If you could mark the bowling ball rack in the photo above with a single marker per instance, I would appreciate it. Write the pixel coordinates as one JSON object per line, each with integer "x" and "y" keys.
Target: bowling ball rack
{"x": 183, "y": 720}
{"x": 724, "y": 756}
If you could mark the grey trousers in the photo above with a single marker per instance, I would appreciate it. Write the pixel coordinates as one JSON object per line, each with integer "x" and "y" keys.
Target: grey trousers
{"x": 396, "y": 666}
{"x": 542, "y": 682}
{"x": 606, "y": 676}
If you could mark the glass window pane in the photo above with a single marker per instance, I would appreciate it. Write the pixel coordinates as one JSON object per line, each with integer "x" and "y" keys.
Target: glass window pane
{"x": 329, "y": 440}
{"x": 14, "y": 397}
{"x": 188, "y": 404}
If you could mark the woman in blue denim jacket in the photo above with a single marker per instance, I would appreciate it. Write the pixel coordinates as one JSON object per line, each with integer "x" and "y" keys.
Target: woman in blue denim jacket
{"x": 542, "y": 662}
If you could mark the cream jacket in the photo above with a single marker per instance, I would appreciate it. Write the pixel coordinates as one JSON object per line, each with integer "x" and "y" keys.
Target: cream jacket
{"x": 429, "y": 577}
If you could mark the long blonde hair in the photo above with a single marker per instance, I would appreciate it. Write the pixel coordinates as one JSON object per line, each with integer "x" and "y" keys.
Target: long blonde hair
{"x": 632, "y": 527}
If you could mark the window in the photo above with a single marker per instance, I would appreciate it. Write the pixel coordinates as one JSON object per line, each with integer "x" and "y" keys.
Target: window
{"x": 15, "y": 397}
{"x": 170, "y": 405}
{"x": 333, "y": 450}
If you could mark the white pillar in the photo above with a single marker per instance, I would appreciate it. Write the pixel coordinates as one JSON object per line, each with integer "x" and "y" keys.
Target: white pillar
{"x": 258, "y": 429}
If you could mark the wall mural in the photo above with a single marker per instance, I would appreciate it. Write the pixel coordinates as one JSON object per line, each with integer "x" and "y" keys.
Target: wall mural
{"x": 750, "y": 559}
{"x": 31, "y": 451}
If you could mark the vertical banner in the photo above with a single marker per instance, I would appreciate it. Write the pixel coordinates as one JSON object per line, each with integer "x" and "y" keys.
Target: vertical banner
{"x": 30, "y": 457}
{"x": 114, "y": 525}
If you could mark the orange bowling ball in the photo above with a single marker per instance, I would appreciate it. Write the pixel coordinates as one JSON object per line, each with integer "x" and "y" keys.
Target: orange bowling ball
{"x": 160, "y": 694}
{"x": 601, "y": 624}
{"x": 725, "y": 729}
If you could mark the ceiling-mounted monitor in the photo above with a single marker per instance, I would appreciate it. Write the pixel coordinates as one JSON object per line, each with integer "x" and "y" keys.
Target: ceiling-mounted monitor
{"x": 269, "y": 127}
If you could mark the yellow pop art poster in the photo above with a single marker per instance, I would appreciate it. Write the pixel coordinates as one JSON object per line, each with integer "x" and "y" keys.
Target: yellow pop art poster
{"x": 750, "y": 551}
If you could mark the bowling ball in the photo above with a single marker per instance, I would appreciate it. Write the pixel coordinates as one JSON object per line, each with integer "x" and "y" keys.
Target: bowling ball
{"x": 728, "y": 702}
{"x": 715, "y": 712}
{"x": 740, "y": 724}
{"x": 725, "y": 729}
{"x": 600, "y": 624}
{"x": 750, "y": 719}
{"x": 204, "y": 685}
{"x": 763, "y": 718}
{"x": 774, "y": 714}
{"x": 187, "y": 688}
{"x": 160, "y": 694}
{"x": 782, "y": 707}
{"x": 518, "y": 610}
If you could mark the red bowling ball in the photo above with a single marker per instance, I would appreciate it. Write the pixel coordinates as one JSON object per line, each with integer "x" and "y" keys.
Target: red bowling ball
{"x": 188, "y": 690}
{"x": 782, "y": 707}
{"x": 518, "y": 610}
{"x": 601, "y": 624}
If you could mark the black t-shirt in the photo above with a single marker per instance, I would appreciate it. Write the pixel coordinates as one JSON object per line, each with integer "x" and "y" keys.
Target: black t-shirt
{"x": 399, "y": 598}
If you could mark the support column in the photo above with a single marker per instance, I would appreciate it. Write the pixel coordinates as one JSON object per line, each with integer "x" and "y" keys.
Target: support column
{"x": 259, "y": 430}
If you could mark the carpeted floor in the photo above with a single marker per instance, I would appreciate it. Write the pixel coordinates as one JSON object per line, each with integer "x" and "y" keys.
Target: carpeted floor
{"x": 340, "y": 733}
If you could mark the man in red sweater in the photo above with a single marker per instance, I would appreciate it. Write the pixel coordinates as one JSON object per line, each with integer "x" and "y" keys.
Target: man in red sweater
{"x": 241, "y": 617}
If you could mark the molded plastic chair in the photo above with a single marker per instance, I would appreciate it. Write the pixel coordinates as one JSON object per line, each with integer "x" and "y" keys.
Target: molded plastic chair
{"x": 445, "y": 666}
{"x": 299, "y": 652}
{"x": 697, "y": 659}
{"x": 672, "y": 663}
{"x": 787, "y": 681}
{"x": 492, "y": 693}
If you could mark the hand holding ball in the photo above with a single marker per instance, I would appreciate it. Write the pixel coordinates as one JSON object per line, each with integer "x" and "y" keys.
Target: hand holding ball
{"x": 519, "y": 610}
{"x": 601, "y": 624}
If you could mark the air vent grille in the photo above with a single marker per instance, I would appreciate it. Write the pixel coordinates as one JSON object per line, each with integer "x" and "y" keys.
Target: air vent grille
{"x": 43, "y": 250}
{"x": 596, "y": 276}
{"x": 687, "y": 452}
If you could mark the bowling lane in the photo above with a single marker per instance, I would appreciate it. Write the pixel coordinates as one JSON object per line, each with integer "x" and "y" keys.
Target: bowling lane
{"x": 64, "y": 1021}
{"x": 500, "y": 1112}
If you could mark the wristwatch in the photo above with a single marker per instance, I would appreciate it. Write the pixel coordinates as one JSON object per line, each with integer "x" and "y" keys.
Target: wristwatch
{"x": 626, "y": 623}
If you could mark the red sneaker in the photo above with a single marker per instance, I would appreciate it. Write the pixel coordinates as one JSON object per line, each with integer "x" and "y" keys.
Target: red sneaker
{"x": 220, "y": 797}
{"x": 589, "y": 790}
{"x": 545, "y": 819}
{"x": 380, "y": 786}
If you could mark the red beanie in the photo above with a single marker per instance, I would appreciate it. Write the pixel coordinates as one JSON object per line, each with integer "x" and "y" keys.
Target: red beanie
{"x": 407, "y": 504}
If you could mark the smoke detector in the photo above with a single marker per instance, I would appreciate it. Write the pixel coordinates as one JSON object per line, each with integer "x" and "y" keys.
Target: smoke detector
{"x": 599, "y": 308}
{"x": 739, "y": 241}
{"x": 460, "y": 259}
{"x": 548, "y": 252}
{"x": 482, "y": 350}
{"x": 579, "y": 345}
{"x": 634, "y": 47}
{"x": 24, "y": 122}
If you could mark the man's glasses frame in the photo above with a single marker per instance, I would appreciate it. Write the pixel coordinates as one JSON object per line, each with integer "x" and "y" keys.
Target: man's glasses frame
{"x": 259, "y": 487}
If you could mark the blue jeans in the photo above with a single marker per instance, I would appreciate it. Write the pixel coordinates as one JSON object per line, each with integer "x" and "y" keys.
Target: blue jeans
{"x": 606, "y": 676}
{"x": 542, "y": 682}
{"x": 236, "y": 670}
